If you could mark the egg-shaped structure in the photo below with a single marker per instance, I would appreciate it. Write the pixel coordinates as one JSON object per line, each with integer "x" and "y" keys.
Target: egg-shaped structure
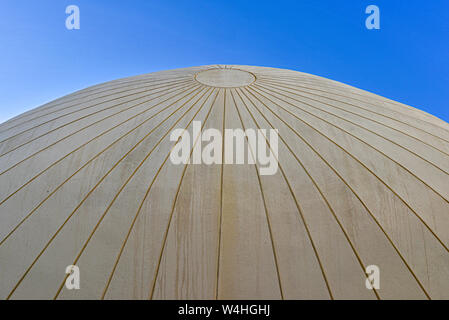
{"x": 361, "y": 188}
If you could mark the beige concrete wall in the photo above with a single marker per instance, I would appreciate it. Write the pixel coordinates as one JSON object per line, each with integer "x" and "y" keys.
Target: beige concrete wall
{"x": 87, "y": 180}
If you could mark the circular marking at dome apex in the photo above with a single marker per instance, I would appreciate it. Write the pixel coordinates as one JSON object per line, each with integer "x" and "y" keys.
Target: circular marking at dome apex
{"x": 225, "y": 78}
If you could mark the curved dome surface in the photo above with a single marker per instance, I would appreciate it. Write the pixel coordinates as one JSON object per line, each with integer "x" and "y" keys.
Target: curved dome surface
{"x": 87, "y": 180}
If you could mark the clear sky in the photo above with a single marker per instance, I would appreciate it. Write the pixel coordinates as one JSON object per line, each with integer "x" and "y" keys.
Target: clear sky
{"x": 406, "y": 60}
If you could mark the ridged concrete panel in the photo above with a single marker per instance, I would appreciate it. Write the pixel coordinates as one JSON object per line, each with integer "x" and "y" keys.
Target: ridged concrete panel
{"x": 87, "y": 180}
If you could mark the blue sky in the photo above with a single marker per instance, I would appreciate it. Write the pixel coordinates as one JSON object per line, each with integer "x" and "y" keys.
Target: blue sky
{"x": 406, "y": 60}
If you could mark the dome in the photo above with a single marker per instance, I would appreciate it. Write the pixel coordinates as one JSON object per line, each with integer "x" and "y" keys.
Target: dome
{"x": 360, "y": 189}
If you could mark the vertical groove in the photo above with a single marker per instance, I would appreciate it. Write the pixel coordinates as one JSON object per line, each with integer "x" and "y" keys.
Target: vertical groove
{"x": 127, "y": 181}
{"x": 264, "y": 206}
{"x": 75, "y": 111}
{"x": 79, "y": 205}
{"x": 77, "y": 104}
{"x": 369, "y": 170}
{"x": 221, "y": 197}
{"x": 83, "y": 166}
{"x": 153, "y": 286}
{"x": 189, "y": 87}
{"x": 345, "y": 110}
{"x": 405, "y": 123}
{"x": 357, "y": 196}
{"x": 60, "y": 142}
{"x": 298, "y": 207}
{"x": 361, "y": 140}
{"x": 140, "y": 208}
{"x": 83, "y": 145}
{"x": 183, "y": 84}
